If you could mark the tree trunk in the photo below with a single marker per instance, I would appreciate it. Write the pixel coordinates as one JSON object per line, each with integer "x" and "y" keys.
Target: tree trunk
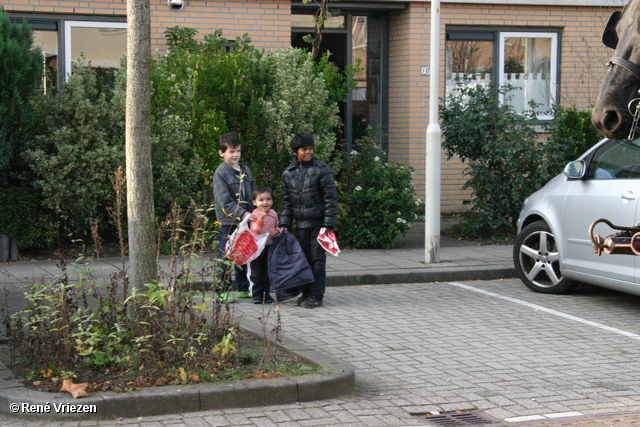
{"x": 140, "y": 207}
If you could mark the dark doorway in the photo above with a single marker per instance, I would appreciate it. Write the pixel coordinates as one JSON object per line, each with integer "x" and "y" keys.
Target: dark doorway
{"x": 332, "y": 42}
{"x": 336, "y": 45}
{"x": 357, "y": 39}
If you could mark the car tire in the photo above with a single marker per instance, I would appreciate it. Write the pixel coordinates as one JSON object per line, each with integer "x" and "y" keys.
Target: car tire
{"x": 537, "y": 261}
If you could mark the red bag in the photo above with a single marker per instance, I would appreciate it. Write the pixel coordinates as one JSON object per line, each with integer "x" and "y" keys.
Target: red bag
{"x": 327, "y": 240}
{"x": 244, "y": 245}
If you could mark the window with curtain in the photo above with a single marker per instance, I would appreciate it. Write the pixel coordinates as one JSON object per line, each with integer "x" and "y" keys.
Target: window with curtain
{"x": 524, "y": 60}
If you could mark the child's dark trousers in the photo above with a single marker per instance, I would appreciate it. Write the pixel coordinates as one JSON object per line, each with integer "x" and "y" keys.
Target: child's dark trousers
{"x": 260, "y": 283}
{"x": 317, "y": 257}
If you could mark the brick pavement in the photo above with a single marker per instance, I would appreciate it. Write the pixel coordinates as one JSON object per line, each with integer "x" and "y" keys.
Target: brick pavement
{"x": 491, "y": 346}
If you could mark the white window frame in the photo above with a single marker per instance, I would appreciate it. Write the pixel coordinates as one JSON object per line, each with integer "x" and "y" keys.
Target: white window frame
{"x": 68, "y": 25}
{"x": 553, "y": 69}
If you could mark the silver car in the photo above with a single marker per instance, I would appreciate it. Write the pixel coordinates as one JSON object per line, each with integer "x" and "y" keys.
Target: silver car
{"x": 553, "y": 251}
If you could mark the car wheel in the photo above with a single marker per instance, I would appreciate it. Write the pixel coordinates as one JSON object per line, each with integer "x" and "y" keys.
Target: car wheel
{"x": 537, "y": 261}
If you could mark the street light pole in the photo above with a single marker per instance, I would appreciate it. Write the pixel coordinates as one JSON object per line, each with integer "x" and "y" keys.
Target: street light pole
{"x": 433, "y": 147}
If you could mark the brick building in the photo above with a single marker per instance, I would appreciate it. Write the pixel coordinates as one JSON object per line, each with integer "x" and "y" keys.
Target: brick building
{"x": 550, "y": 47}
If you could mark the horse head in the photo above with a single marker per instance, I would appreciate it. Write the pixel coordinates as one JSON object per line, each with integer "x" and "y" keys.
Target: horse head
{"x": 621, "y": 82}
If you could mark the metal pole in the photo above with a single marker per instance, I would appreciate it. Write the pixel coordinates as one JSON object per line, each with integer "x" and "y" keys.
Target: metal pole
{"x": 433, "y": 147}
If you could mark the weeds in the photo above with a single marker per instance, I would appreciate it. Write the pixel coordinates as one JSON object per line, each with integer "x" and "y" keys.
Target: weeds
{"x": 270, "y": 337}
{"x": 170, "y": 332}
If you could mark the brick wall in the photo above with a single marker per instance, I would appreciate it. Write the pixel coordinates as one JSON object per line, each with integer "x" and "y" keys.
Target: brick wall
{"x": 582, "y": 66}
{"x": 268, "y": 22}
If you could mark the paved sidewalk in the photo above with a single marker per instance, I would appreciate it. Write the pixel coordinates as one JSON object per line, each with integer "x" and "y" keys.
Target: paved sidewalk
{"x": 459, "y": 260}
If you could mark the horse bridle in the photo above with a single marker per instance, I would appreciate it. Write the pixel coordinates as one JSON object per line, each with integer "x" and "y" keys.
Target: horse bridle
{"x": 634, "y": 111}
{"x": 610, "y": 39}
{"x": 627, "y": 65}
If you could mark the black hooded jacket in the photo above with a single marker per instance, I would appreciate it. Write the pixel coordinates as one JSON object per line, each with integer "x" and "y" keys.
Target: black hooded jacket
{"x": 309, "y": 195}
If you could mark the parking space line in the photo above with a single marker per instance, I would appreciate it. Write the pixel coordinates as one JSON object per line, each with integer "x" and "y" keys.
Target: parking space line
{"x": 550, "y": 311}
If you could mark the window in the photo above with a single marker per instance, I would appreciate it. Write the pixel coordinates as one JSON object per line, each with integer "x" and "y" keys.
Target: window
{"x": 64, "y": 41}
{"x": 48, "y": 42}
{"x": 526, "y": 61}
{"x": 101, "y": 43}
{"x": 616, "y": 160}
{"x": 45, "y": 36}
{"x": 528, "y": 64}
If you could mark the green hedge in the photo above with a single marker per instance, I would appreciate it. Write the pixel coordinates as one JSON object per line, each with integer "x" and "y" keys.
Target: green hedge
{"x": 23, "y": 217}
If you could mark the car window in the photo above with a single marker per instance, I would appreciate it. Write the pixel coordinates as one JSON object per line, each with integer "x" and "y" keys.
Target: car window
{"x": 616, "y": 160}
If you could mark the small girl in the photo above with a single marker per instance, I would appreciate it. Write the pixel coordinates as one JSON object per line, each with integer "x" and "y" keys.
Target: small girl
{"x": 266, "y": 222}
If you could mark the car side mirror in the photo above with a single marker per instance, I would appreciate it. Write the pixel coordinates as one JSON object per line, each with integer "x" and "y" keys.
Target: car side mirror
{"x": 575, "y": 170}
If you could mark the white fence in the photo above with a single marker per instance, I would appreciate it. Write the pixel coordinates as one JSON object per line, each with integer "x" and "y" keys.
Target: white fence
{"x": 526, "y": 87}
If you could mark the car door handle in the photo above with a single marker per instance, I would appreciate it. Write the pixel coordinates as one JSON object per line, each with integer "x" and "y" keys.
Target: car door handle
{"x": 629, "y": 195}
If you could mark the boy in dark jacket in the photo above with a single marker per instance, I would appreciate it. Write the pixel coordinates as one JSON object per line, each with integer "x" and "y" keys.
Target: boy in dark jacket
{"x": 310, "y": 198}
{"x": 232, "y": 194}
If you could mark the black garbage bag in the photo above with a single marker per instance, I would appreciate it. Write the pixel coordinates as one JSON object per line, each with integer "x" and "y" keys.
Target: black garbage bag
{"x": 289, "y": 270}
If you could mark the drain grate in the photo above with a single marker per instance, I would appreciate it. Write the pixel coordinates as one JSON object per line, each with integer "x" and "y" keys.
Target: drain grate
{"x": 459, "y": 419}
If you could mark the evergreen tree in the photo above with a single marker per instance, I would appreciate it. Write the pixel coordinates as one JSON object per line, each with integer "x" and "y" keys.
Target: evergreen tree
{"x": 20, "y": 74}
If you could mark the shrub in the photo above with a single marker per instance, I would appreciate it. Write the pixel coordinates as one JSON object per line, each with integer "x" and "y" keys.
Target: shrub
{"x": 77, "y": 145}
{"x": 265, "y": 97}
{"x": 378, "y": 202}
{"x": 503, "y": 153}
{"x": 298, "y": 101}
{"x": 176, "y": 165}
{"x": 571, "y": 134}
{"x": 213, "y": 90}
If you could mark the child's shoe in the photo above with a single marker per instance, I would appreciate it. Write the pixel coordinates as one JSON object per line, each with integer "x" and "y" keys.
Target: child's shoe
{"x": 243, "y": 294}
{"x": 267, "y": 299}
{"x": 311, "y": 302}
{"x": 227, "y": 297}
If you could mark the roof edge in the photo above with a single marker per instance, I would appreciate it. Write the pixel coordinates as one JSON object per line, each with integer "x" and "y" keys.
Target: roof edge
{"x": 583, "y": 3}
{"x": 602, "y": 3}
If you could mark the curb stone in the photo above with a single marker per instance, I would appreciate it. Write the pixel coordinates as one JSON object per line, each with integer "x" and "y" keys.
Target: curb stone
{"x": 337, "y": 379}
{"x": 434, "y": 275}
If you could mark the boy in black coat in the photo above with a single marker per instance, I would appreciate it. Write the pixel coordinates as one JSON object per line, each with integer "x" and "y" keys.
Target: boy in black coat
{"x": 309, "y": 197}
